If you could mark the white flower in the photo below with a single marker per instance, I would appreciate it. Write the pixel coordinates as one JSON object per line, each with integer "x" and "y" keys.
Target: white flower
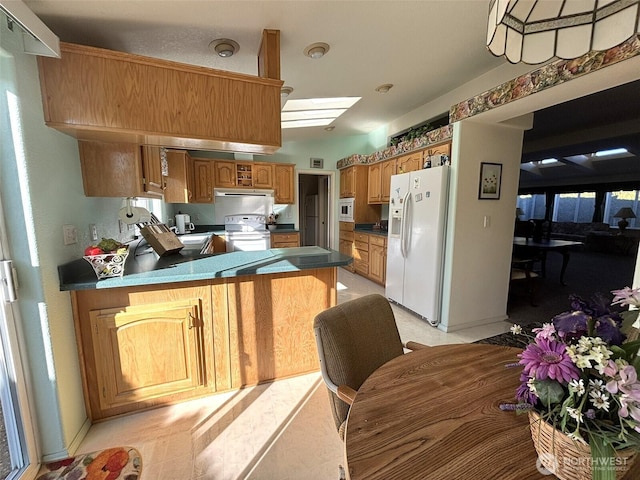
{"x": 576, "y": 436}
{"x": 600, "y": 400}
{"x": 516, "y": 329}
{"x": 575, "y": 414}
{"x": 577, "y": 386}
{"x": 532, "y": 386}
{"x": 597, "y": 385}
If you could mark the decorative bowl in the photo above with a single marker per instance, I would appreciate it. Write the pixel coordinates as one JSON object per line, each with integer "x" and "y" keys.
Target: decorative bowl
{"x": 108, "y": 265}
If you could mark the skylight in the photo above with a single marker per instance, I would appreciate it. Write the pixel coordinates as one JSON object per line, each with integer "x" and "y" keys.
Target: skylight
{"x": 312, "y": 112}
{"x": 614, "y": 151}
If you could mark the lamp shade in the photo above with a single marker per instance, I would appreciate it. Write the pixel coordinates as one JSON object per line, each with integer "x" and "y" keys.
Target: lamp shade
{"x": 534, "y": 31}
{"x": 625, "y": 212}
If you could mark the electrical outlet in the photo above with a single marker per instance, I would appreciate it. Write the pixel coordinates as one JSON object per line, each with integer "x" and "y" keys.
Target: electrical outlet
{"x": 69, "y": 234}
{"x": 93, "y": 232}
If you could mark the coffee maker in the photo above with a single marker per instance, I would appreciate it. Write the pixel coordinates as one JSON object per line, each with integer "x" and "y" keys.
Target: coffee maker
{"x": 183, "y": 224}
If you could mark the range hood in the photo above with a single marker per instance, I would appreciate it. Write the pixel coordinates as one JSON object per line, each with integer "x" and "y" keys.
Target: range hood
{"x": 242, "y": 192}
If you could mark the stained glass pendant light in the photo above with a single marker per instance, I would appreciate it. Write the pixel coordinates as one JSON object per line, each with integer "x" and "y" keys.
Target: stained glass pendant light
{"x": 534, "y": 31}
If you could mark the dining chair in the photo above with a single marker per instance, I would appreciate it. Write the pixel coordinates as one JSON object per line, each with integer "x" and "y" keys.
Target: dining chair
{"x": 354, "y": 338}
{"x": 522, "y": 272}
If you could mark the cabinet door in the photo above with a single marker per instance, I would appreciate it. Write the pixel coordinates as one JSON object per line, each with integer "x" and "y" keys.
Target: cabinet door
{"x": 377, "y": 262}
{"x": 375, "y": 185}
{"x": 410, "y": 163}
{"x": 179, "y": 183}
{"x": 113, "y": 170}
{"x": 225, "y": 174}
{"x": 347, "y": 179}
{"x": 284, "y": 190}
{"x": 262, "y": 175}
{"x": 152, "y": 170}
{"x": 147, "y": 351}
{"x": 387, "y": 169}
{"x": 202, "y": 183}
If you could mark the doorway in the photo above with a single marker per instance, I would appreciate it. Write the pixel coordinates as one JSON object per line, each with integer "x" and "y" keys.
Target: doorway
{"x": 313, "y": 208}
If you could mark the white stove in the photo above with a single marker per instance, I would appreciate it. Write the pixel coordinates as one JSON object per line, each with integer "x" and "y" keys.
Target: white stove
{"x": 246, "y": 232}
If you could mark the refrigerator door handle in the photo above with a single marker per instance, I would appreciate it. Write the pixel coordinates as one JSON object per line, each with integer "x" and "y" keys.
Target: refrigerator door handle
{"x": 403, "y": 225}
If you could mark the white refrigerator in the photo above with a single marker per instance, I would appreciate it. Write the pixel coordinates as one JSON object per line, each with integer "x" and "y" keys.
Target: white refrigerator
{"x": 415, "y": 244}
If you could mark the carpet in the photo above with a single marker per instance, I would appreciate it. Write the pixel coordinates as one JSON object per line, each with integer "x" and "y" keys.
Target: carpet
{"x": 119, "y": 463}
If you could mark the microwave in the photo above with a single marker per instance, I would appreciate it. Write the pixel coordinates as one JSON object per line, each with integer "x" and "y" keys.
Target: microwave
{"x": 346, "y": 209}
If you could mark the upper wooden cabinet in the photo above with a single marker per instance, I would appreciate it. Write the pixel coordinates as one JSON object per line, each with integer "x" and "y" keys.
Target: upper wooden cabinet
{"x": 179, "y": 183}
{"x": 262, "y": 175}
{"x": 380, "y": 180}
{"x": 284, "y": 186}
{"x": 347, "y": 182}
{"x": 98, "y": 94}
{"x": 225, "y": 175}
{"x": 410, "y": 162}
{"x": 202, "y": 180}
{"x": 120, "y": 170}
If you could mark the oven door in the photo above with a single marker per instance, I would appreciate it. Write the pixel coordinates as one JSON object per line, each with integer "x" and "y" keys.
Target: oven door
{"x": 248, "y": 241}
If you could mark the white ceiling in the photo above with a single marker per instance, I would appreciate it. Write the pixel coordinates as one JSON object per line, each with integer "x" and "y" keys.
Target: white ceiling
{"x": 423, "y": 47}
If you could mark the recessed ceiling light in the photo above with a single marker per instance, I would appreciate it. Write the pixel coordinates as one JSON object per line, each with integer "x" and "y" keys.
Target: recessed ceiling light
{"x": 224, "y": 47}
{"x": 384, "y": 88}
{"x": 614, "y": 151}
{"x": 285, "y": 91}
{"x": 316, "y": 50}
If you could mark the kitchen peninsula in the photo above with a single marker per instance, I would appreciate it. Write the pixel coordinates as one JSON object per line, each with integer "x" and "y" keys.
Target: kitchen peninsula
{"x": 188, "y": 325}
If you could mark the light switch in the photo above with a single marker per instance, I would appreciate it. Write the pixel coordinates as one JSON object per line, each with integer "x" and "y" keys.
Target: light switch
{"x": 487, "y": 221}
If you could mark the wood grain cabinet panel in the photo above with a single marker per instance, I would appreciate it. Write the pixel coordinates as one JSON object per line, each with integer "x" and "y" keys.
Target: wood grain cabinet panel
{"x": 224, "y": 174}
{"x": 410, "y": 162}
{"x": 146, "y": 352}
{"x": 202, "y": 181}
{"x": 262, "y": 175}
{"x": 283, "y": 183}
{"x": 119, "y": 170}
{"x": 179, "y": 182}
{"x": 377, "y": 258}
{"x": 98, "y": 94}
{"x": 285, "y": 240}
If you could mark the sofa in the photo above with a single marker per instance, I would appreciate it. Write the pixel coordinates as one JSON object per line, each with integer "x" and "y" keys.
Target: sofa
{"x": 577, "y": 232}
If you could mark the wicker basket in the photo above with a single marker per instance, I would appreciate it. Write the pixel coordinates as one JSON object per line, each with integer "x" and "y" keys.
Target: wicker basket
{"x": 566, "y": 458}
{"x": 108, "y": 265}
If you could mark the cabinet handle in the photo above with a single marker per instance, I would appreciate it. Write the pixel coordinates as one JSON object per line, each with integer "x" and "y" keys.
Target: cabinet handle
{"x": 191, "y": 319}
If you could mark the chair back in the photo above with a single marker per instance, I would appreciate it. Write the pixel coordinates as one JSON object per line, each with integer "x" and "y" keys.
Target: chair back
{"x": 354, "y": 338}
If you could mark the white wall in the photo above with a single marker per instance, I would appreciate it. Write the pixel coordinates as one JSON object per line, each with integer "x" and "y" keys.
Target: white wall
{"x": 478, "y": 257}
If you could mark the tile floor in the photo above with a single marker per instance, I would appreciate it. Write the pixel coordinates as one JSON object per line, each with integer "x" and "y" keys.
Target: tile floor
{"x": 277, "y": 431}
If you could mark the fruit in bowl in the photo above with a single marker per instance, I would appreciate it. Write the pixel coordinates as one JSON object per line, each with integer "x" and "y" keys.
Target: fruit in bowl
{"x": 107, "y": 257}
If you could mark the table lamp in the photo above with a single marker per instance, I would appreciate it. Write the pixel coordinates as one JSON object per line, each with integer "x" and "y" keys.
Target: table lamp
{"x": 623, "y": 214}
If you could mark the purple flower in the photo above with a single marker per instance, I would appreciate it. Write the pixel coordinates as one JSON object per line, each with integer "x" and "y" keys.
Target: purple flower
{"x": 524, "y": 393}
{"x": 607, "y": 327}
{"x": 547, "y": 358}
{"x": 571, "y": 324}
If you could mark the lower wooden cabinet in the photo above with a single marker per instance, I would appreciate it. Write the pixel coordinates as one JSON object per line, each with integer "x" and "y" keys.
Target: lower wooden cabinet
{"x": 144, "y": 352}
{"x": 378, "y": 259}
{"x": 285, "y": 240}
{"x": 149, "y": 346}
{"x": 346, "y": 240}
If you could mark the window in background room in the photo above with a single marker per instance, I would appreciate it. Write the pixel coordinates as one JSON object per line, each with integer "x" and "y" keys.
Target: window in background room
{"x": 617, "y": 200}
{"x": 532, "y": 205}
{"x": 574, "y": 207}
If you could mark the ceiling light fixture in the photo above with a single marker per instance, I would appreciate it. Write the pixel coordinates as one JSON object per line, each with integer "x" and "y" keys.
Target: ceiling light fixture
{"x": 384, "y": 88}
{"x": 285, "y": 91}
{"x": 330, "y": 128}
{"x": 224, "y": 47}
{"x": 316, "y": 50}
{"x": 533, "y": 31}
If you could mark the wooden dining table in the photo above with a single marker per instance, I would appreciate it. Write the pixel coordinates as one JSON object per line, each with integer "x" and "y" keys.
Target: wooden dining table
{"x": 435, "y": 414}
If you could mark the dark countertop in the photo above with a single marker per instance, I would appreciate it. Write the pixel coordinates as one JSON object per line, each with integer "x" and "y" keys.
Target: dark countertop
{"x": 145, "y": 267}
{"x": 371, "y": 230}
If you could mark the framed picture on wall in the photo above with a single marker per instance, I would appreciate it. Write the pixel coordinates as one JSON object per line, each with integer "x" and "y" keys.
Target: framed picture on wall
{"x": 490, "y": 179}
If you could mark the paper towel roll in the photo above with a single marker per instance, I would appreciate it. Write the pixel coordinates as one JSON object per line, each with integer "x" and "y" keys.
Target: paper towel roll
{"x": 132, "y": 215}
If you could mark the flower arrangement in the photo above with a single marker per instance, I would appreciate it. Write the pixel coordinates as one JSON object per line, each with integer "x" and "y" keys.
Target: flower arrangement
{"x": 581, "y": 376}
{"x": 271, "y": 219}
